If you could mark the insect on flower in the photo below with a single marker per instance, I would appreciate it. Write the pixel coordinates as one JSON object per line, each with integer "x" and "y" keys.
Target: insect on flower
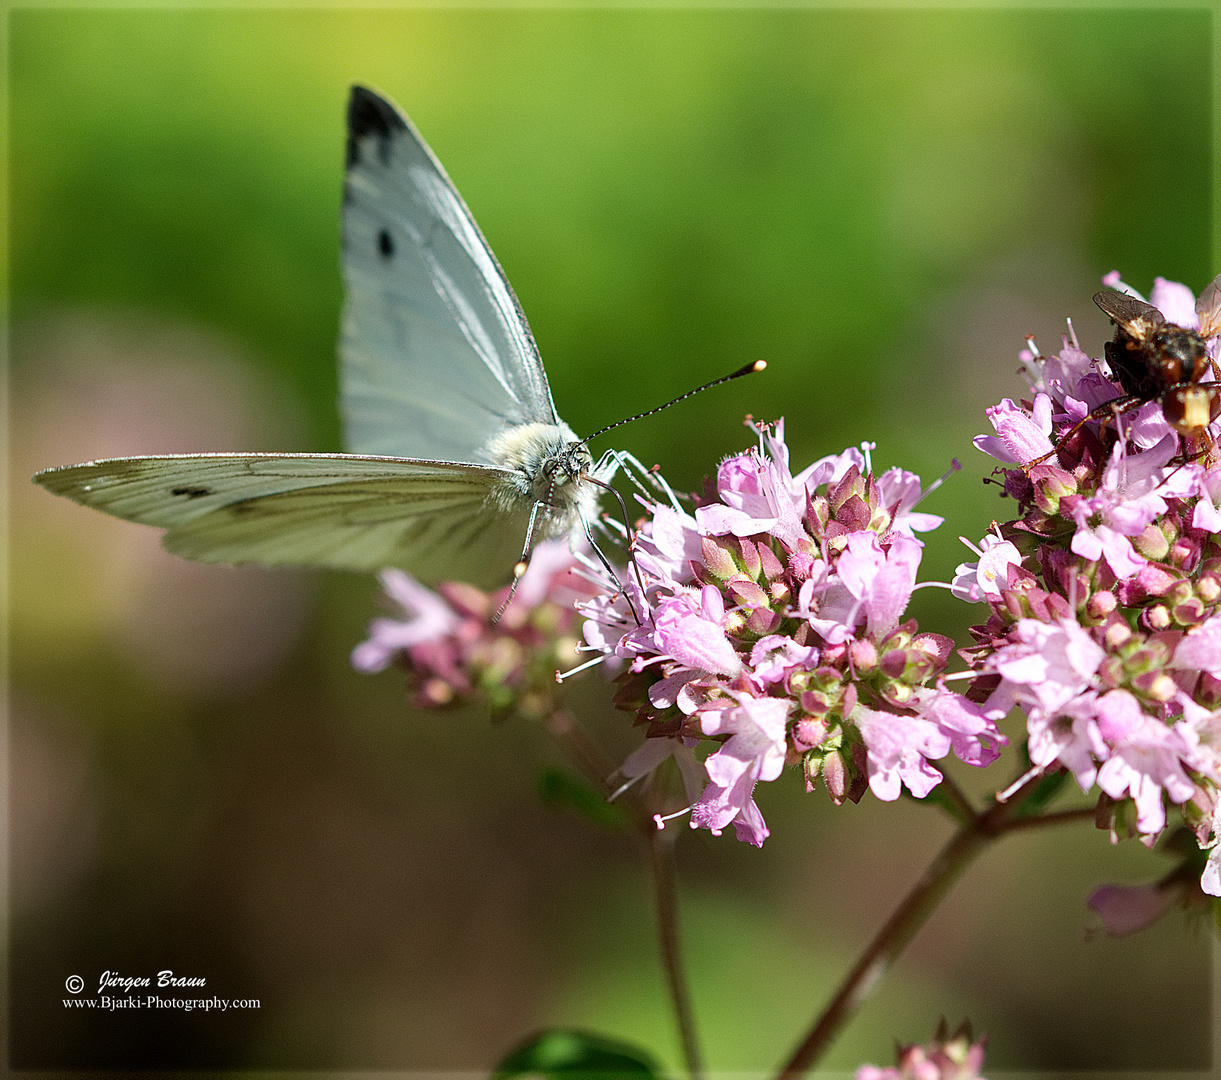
{"x": 1153, "y": 359}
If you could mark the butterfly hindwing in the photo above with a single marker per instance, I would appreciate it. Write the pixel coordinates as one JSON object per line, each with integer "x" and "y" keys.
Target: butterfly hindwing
{"x": 337, "y": 510}
{"x": 436, "y": 354}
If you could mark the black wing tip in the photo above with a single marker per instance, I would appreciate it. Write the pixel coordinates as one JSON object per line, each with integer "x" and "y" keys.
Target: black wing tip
{"x": 371, "y": 114}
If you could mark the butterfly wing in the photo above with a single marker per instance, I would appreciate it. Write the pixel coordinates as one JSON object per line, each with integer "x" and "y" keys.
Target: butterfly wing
{"x": 437, "y": 519}
{"x": 436, "y": 354}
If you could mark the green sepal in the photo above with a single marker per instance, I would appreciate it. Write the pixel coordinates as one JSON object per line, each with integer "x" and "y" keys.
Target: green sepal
{"x": 557, "y": 788}
{"x": 574, "y": 1055}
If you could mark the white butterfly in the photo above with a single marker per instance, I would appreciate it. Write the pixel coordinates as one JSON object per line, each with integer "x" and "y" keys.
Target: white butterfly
{"x": 459, "y": 459}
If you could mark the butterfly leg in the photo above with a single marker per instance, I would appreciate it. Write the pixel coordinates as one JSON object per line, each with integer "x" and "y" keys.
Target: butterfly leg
{"x": 606, "y": 564}
{"x": 642, "y": 478}
{"x": 519, "y": 568}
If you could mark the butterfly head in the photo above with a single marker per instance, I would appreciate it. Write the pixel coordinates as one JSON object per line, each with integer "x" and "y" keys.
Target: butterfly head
{"x": 547, "y": 464}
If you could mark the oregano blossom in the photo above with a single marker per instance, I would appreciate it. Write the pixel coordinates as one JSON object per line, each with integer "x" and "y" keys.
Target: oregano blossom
{"x": 771, "y": 624}
{"x": 1105, "y": 611}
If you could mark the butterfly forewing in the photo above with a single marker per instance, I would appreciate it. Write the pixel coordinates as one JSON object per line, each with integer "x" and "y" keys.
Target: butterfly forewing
{"x": 444, "y": 399}
{"x": 343, "y": 511}
{"x": 436, "y": 355}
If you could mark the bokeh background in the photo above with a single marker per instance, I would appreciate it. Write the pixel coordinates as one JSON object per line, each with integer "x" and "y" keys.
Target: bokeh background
{"x": 880, "y": 203}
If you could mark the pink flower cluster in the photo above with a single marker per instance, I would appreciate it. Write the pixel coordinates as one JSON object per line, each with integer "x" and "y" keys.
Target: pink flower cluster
{"x": 454, "y": 649}
{"x": 771, "y": 624}
{"x": 956, "y": 1057}
{"x": 1105, "y": 593}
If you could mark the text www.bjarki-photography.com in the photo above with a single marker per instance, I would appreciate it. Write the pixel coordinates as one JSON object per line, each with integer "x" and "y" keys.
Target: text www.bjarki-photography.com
{"x": 117, "y": 992}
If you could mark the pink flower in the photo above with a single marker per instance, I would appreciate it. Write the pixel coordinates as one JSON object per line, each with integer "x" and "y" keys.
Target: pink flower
{"x": 1145, "y": 759}
{"x": 1051, "y": 664}
{"x": 767, "y": 615}
{"x": 426, "y": 618}
{"x": 1125, "y": 909}
{"x": 901, "y": 492}
{"x": 1207, "y": 513}
{"x": 1133, "y": 494}
{"x": 693, "y": 633}
{"x": 1107, "y": 633}
{"x": 945, "y": 1058}
{"x": 754, "y": 751}
{"x": 881, "y": 581}
{"x": 984, "y": 580}
{"x": 1200, "y": 648}
{"x": 1020, "y": 436}
{"x": 452, "y": 647}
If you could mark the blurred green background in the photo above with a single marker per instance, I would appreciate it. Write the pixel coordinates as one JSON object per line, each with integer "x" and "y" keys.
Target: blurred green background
{"x": 880, "y": 203}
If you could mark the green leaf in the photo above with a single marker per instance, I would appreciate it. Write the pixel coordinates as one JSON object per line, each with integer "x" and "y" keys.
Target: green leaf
{"x": 567, "y": 1053}
{"x": 558, "y": 788}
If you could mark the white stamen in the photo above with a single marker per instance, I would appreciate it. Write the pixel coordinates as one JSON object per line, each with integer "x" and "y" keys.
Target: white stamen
{"x": 560, "y": 676}
{"x": 1029, "y": 774}
{"x": 866, "y": 449}
{"x": 955, "y": 465}
{"x": 971, "y": 546}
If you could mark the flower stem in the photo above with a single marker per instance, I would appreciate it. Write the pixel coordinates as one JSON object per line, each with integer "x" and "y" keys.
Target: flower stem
{"x": 976, "y": 835}
{"x": 665, "y": 894}
{"x": 659, "y": 843}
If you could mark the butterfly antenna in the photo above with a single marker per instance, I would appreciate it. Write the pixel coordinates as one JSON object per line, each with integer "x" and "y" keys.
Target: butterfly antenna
{"x": 749, "y": 369}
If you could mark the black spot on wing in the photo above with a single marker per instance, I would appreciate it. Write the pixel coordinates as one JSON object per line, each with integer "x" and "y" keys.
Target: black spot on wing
{"x": 371, "y": 116}
{"x": 191, "y": 492}
{"x": 385, "y": 244}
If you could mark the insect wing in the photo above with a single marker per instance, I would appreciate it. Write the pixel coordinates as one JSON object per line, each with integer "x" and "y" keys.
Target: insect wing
{"x": 337, "y": 510}
{"x": 436, "y": 354}
{"x": 1136, "y": 318}
{"x": 1208, "y": 308}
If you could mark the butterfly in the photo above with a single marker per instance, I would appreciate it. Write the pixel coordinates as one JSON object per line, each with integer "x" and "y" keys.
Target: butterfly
{"x": 458, "y": 459}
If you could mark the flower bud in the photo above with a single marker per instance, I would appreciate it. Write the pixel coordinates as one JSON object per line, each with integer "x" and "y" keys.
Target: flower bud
{"x": 718, "y": 561}
{"x": 1051, "y": 484}
{"x": 762, "y": 621}
{"x": 809, "y": 733}
{"x": 1101, "y": 604}
{"x": 771, "y": 565}
{"x": 1208, "y": 588}
{"x": 1161, "y": 688}
{"x": 1184, "y": 553}
{"x": 864, "y": 655}
{"x": 835, "y": 776}
{"x": 1208, "y": 691}
{"x": 1111, "y": 672}
{"x": 435, "y": 692}
{"x": 1152, "y": 543}
{"x": 818, "y": 515}
{"x": 801, "y": 565}
{"x": 745, "y": 592}
{"x": 1156, "y": 617}
{"x": 749, "y": 555}
{"x": 1117, "y": 634}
